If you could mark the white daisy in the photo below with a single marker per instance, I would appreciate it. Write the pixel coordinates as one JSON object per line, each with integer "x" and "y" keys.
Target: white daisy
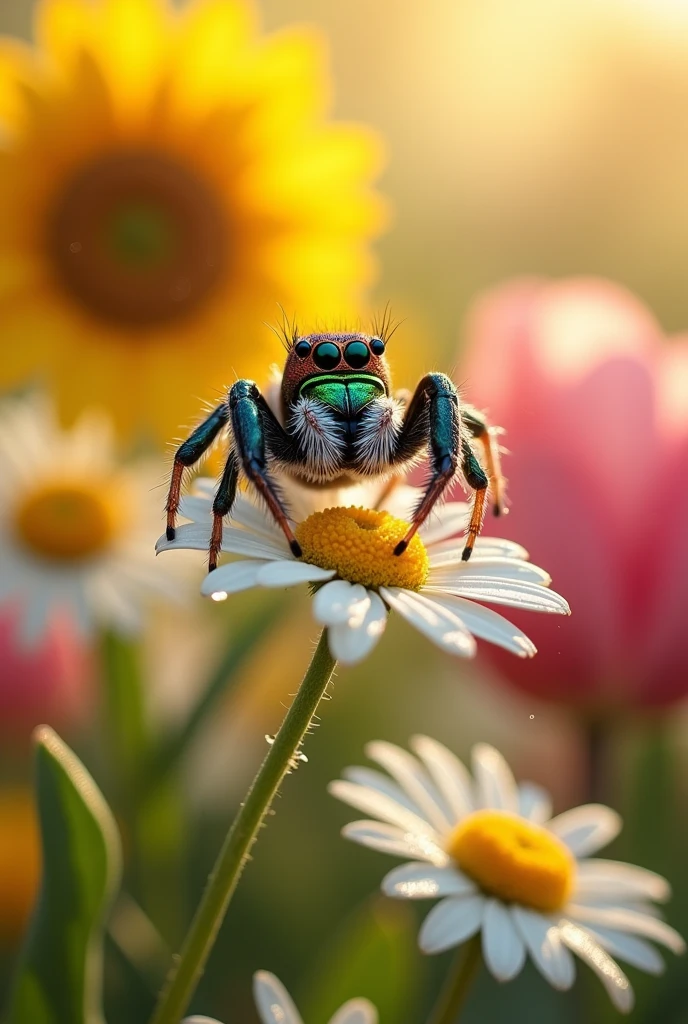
{"x": 275, "y": 1006}
{"x": 504, "y": 866}
{"x": 74, "y": 526}
{"x": 348, "y": 556}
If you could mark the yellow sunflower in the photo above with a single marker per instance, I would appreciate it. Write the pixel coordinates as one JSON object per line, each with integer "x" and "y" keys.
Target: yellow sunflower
{"x": 167, "y": 178}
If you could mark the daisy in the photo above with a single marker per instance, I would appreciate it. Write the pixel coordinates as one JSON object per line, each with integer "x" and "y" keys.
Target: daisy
{"x": 275, "y": 1006}
{"x": 503, "y": 866}
{"x": 74, "y": 526}
{"x": 168, "y": 175}
{"x": 348, "y": 556}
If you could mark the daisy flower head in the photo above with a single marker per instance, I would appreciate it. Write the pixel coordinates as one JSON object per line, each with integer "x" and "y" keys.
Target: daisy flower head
{"x": 502, "y": 866}
{"x": 168, "y": 176}
{"x": 348, "y": 558}
{"x": 275, "y": 1006}
{"x": 74, "y": 525}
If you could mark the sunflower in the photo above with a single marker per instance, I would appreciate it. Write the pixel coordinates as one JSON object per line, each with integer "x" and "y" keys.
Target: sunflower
{"x": 167, "y": 178}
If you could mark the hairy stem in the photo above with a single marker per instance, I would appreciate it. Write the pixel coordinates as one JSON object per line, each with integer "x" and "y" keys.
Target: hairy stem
{"x": 186, "y": 972}
{"x": 461, "y": 976}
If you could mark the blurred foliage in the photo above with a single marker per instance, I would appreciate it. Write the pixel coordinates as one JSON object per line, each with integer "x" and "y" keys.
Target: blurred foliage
{"x": 60, "y": 969}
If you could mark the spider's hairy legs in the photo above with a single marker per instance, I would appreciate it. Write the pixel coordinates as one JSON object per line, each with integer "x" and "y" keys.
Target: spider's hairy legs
{"x": 222, "y": 506}
{"x": 187, "y": 454}
{"x": 433, "y": 417}
{"x": 253, "y": 426}
{"x": 479, "y": 428}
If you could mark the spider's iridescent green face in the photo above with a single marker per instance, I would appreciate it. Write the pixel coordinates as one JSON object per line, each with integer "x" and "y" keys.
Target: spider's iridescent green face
{"x": 343, "y": 371}
{"x": 346, "y": 394}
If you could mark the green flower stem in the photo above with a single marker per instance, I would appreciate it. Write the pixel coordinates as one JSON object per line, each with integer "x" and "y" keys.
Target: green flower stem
{"x": 186, "y": 972}
{"x": 453, "y": 996}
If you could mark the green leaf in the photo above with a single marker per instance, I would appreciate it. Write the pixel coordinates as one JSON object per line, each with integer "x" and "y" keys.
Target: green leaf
{"x": 58, "y": 978}
{"x": 373, "y": 955}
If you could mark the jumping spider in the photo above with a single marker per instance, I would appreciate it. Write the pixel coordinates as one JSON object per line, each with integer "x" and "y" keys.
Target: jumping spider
{"x": 343, "y": 424}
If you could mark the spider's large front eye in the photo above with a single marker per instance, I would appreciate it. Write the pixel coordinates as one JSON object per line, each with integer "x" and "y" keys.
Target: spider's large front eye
{"x": 357, "y": 354}
{"x": 326, "y": 355}
{"x": 377, "y": 346}
{"x": 302, "y": 349}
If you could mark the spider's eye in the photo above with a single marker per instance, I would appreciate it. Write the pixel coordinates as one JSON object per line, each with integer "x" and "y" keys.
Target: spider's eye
{"x": 302, "y": 349}
{"x": 377, "y": 346}
{"x": 326, "y": 355}
{"x": 357, "y": 354}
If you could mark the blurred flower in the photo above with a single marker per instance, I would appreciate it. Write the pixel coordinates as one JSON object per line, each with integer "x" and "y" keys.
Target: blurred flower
{"x": 75, "y": 528}
{"x": 503, "y": 866}
{"x": 594, "y": 405}
{"x": 166, "y": 179}
{"x": 275, "y": 1006}
{"x": 19, "y": 862}
{"x": 351, "y": 552}
{"x": 48, "y": 684}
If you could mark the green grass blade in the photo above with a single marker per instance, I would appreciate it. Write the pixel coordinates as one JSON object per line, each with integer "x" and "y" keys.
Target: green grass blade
{"x": 58, "y": 978}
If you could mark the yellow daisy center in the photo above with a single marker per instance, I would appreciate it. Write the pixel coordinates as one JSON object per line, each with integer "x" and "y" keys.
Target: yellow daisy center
{"x": 137, "y": 238}
{"x": 67, "y": 522}
{"x": 513, "y": 859}
{"x": 359, "y": 544}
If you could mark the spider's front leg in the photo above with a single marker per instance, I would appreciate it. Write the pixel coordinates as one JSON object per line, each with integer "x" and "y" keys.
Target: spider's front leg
{"x": 189, "y": 453}
{"x": 433, "y": 417}
{"x": 256, "y": 430}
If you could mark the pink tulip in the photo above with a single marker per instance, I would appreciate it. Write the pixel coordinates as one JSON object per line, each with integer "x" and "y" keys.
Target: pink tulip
{"x": 595, "y": 404}
{"x": 49, "y": 683}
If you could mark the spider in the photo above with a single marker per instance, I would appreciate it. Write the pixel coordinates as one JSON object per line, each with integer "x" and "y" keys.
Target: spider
{"x": 340, "y": 423}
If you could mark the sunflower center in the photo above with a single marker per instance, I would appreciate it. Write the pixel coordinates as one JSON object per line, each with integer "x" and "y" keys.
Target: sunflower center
{"x": 137, "y": 238}
{"x": 359, "y": 544}
{"x": 67, "y": 522}
{"x": 513, "y": 859}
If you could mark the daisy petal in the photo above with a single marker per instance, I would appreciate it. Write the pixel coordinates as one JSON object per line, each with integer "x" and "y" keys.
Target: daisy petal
{"x": 289, "y": 574}
{"x": 495, "y": 783}
{"x": 371, "y": 801}
{"x": 413, "y": 780}
{"x": 246, "y": 514}
{"x": 610, "y": 879}
{"x": 349, "y": 642}
{"x": 488, "y": 625}
{"x": 452, "y": 521}
{"x": 485, "y": 547}
{"x": 197, "y": 509}
{"x": 534, "y": 803}
{"x": 443, "y": 569}
{"x": 586, "y": 829}
{"x": 432, "y": 620}
{"x": 356, "y": 1011}
{"x": 635, "y": 951}
{"x": 378, "y": 780}
{"x": 503, "y": 948}
{"x": 514, "y": 593}
{"x": 549, "y": 954}
{"x": 451, "y": 922}
{"x": 340, "y": 602}
{"x": 608, "y": 971}
{"x": 194, "y": 536}
{"x": 450, "y": 775}
{"x": 625, "y": 920}
{"x": 390, "y": 839}
{"x": 200, "y": 1020}
{"x": 420, "y": 881}
{"x": 232, "y": 578}
{"x": 273, "y": 1002}
{"x": 241, "y": 542}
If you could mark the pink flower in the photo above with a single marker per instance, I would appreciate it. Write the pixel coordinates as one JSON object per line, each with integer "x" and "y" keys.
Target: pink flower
{"x": 595, "y": 404}
{"x": 48, "y": 683}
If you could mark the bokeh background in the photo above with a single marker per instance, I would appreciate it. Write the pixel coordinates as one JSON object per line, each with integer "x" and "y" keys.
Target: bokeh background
{"x": 541, "y": 139}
